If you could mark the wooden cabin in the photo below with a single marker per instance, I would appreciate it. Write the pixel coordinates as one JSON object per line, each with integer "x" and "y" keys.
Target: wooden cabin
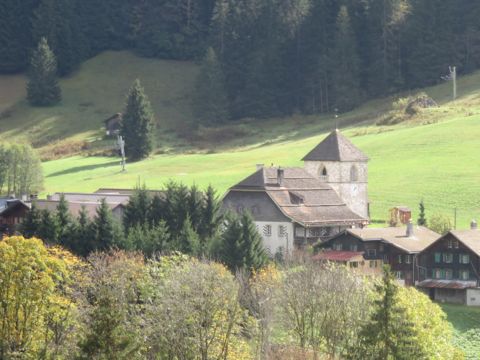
{"x": 113, "y": 124}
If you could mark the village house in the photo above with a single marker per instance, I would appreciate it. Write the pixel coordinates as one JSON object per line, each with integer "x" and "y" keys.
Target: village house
{"x": 450, "y": 267}
{"x": 396, "y": 246}
{"x": 12, "y": 212}
{"x": 353, "y": 260}
{"x": 296, "y": 206}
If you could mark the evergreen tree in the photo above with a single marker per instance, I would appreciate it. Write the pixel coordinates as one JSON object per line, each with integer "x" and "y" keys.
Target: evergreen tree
{"x": 211, "y": 216}
{"x": 422, "y": 220}
{"x": 242, "y": 244}
{"x": 105, "y": 233}
{"x": 194, "y": 206}
{"x": 389, "y": 334}
{"x": 210, "y": 98}
{"x": 48, "y": 229}
{"x": 156, "y": 212}
{"x": 345, "y": 73}
{"x": 64, "y": 221}
{"x": 31, "y": 223}
{"x": 187, "y": 240}
{"x": 83, "y": 241}
{"x": 137, "y": 208}
{"x": 138, "y": 124}
{"x": 148, "y": 240}
{"x": 254, "y": 254}
{"x": 43, "y": 88}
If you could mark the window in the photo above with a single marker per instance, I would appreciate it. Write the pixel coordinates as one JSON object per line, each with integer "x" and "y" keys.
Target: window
{"x": 381, "y": 248}
{"x": 399, "y": 275}
{"x": 314, "y": 232}
{"x": 353, "y": 247}
{"x": 437, "y": 273}
{"x": 373, "y": 263}
{"x": 354, "y": 264}
{"x": 408, "y": 259}
{"x": 464, "y": 258}
{"x": 267, "y": 230}
{"x": 437, "y": 257}
{"x": 464, "y": 274}
{"x": 371, "y": 252}
{"x": 450, "y": 243}
{"x": 282, "y": 231}
{"x": 337, "y": 246}
{"x": 353, "y": 173}
{"x": 448, "y": 274}
{"x": 448, "y": 258}
{"x": 399, "y": 259}
{"x": 299, "y": 231}
{"x": 455, "y": 244}
{"x": 324, "y": 171}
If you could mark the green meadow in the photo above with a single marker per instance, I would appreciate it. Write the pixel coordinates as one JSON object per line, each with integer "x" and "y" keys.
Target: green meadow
{"x": 434, "y": 155}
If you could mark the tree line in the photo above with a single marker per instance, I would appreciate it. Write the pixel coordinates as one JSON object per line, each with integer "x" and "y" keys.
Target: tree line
{"x": 119, "y": 305}
{"x": 180, "y": 218}
{"x": 270, "y": 57}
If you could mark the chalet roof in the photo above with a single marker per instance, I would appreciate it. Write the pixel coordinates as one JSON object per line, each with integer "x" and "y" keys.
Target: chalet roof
{"x": 11, "y": 205}
{"x": 117, "y": 116}
{"x": 470, "y": 238}
{"x": 112, "y": 198}
{"x": 320, "y": 203}
{"x": 129, "y": 192}
{"x": 334, "y": 255}
{"x": 74, "y": 207}
{"x": 421, "y": 238}
{"x": 447, "y": 284}
{"x": 335, "y": 147}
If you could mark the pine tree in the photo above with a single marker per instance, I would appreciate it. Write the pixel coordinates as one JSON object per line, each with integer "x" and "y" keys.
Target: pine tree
{"x": 104, "y": 232}
{"x": 188, "y": 240}
{"x": 254, "y": 254}
{"x": 148, "y": 240}
{"x": 64, "y": 221}
{"x": 195, "y": 204}
{"x": 422, "y": 220}
{"x": 42, "y": 87}
{"x": 389, "y": 334}
{"x": 83, "y": 241}
{"x": 345, "y": 72}
{"x": 230, "y": 252}
{"x": 48, "y": 229}
{"x": 137, "y": 208}
{"x": 156, "y": 212}
{"x": 31, "y": 224}
{"x": 211, "y": 217}
{"x": 138, "y": 124}
{"x": 210, "y": 102}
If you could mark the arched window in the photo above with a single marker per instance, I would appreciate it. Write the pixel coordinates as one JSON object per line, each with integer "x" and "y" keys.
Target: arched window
{"x": 353, "y": 173}
{"x": 322, "y": 170}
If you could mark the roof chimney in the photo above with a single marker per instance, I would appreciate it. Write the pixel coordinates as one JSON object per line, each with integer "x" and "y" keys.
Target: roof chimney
{"x": 473, "y": 225}
{"x": 409, "y": 229}
{"x": 259, "y": 166}
{"x": 280, "y": 176}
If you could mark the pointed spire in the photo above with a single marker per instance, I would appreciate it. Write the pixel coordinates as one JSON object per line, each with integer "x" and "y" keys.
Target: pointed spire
{"x": 335, "y": 147}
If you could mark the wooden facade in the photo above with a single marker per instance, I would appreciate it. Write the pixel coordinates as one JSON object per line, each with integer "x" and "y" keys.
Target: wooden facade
{"x": 12, "y": 216}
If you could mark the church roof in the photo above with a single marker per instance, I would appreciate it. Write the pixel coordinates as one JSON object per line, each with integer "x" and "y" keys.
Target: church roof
{"x": 335, "y": 147}
{"x": 316, "y": 202}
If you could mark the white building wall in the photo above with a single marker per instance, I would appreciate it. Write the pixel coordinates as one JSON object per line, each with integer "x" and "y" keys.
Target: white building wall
{"x": 473, "y": 297}
{"x": 276, "y": 241}
{"x": 353, "y": 192}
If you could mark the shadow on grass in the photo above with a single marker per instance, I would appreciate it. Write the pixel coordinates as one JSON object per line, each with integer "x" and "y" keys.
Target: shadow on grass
{"x": 85, "y": 168}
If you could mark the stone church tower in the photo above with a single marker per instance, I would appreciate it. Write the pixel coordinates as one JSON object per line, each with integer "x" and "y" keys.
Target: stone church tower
{"x": 344, "y": 167}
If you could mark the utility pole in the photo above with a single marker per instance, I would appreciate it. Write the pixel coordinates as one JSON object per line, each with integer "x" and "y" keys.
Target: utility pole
{"x": 453, "y": 75}
{"x": 121, "y": 146}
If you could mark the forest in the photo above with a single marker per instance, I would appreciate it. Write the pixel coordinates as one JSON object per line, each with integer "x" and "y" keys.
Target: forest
{"x": 275, "y": 57}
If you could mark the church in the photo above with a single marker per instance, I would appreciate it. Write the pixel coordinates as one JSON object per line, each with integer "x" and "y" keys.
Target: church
{"x": 296, "y": 206}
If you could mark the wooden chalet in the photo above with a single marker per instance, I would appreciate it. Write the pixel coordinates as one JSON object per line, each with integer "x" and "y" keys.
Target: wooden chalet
{"x": 395, "y": 246}
{"x": 12, "y": 212}
{"x": 351, "y": 259}
{"x": 450, "y": 268}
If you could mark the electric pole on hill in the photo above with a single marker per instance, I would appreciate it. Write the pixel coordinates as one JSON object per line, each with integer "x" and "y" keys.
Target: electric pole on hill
{"x": 121, "y": 146}
{"x": 452, "y": 76}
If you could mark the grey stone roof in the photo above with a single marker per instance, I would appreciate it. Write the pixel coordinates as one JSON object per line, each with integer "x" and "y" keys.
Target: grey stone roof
{"x": 422, "y": 237}
{"x": 335, "y": 147}
{"x": 470, "y": 238}
{"x": 320, "y": 204}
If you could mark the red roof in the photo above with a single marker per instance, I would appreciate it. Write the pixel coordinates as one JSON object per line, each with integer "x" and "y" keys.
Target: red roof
{"x": 447, "y": 284}
{"x": 334, "y": 255}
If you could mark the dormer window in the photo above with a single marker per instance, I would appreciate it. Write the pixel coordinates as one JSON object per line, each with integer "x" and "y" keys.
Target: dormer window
{"x": 353, "y": 173}
{"x": 295, "y": 199}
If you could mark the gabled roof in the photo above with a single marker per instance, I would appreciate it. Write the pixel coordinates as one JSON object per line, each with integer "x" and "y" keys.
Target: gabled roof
{"x": 335, "y": 147}
{"x": 470, "y": 238}
{"x": 334, "y": 255}
{"x": 320, "y": 205}
{"x": 396, "y": 236}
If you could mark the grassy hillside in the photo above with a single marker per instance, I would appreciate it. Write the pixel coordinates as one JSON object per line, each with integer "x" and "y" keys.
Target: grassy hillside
{"x": 432, "y": 156}
{"x": 93, "y": 93}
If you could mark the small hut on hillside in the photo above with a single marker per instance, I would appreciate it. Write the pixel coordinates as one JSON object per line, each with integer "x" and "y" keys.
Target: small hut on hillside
{"x": 113, "y": 124}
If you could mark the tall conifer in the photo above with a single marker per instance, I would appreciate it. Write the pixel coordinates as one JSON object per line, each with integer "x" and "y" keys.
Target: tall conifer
{"x": 42, "y": 87}
{"x": 138, "y": 124}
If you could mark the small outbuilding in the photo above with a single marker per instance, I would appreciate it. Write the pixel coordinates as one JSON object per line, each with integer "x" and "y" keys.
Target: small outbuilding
{"x": 113, "y": 124}
{"x": 400, "y": 215}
